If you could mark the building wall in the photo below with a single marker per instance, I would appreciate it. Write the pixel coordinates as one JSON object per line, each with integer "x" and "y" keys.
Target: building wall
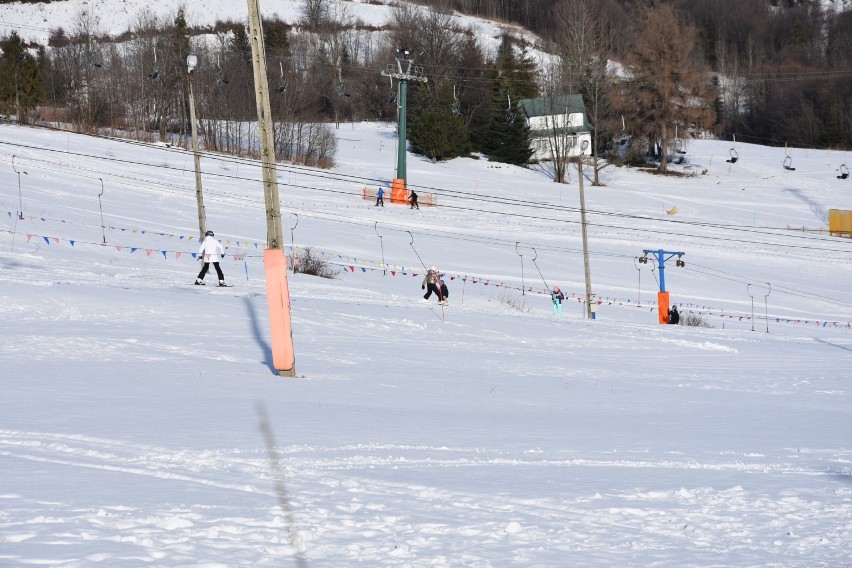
{"x": 558, "y": 120}
{"x": 541, "y": 146}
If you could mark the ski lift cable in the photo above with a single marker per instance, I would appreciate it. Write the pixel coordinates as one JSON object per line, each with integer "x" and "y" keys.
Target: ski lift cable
{"x": 415, "y": 250}
{"x": 807, "y": 237}
{"x": 523, "y": 286}
{"x": 382, "y": 243}
{"x": 535, "y": 252}
{"x": 758, "y": 230}
{"x": 539, "y": 217}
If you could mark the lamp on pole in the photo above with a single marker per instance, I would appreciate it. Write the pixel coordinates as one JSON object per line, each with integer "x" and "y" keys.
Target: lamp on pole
{"x": 589, "y": 312}
{"x": 191, "y": 62}
{"x": 20, "y": 198}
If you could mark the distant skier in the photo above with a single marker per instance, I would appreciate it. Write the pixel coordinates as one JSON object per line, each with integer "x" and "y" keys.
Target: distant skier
{"x": 445, "y": 292}
{"x": 431, "y": 282}
{"x": 413, "y": 198}
{"x": 674, "y": 316}
{"x": 211, "y": 251}
{"x": 557, "y": 296}
{"x": 380, "y": 197}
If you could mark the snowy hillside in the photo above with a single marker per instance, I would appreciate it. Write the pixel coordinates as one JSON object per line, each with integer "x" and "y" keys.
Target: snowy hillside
{"x": 35, "y": 22}
{"x": 487, "y": 433}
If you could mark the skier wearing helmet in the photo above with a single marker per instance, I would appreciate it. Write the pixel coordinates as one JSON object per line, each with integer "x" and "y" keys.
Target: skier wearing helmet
{"x": 557, "y": 296}
{"x": 431, "y": 282}
{"x": 211, "y": 251}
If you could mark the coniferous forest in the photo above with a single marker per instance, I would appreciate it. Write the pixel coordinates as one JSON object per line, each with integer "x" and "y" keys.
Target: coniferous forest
{"x": 772, "y": 72}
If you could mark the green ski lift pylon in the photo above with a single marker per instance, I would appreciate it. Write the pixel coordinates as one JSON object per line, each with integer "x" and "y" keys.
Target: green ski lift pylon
{"x": 404, "y": 71}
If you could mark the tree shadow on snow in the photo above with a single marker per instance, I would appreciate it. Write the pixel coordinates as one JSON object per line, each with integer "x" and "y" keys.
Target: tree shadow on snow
{"x": 816, "y": 208}
{"x": 259, "y": 337}
{"x": 833, "y": 344}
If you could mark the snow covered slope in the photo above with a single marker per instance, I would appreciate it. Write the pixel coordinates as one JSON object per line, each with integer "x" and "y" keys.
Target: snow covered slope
{"x": 487, "y": 433}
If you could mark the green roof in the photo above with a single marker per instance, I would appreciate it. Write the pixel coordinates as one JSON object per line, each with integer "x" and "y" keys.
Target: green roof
{"x": 563, "y": 104}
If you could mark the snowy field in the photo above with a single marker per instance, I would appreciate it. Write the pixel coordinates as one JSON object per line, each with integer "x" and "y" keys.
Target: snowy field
{"x": 488, "y": 433}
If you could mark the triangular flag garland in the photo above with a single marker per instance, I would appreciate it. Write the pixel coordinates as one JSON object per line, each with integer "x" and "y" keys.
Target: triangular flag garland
{"x": 395, "y": 270}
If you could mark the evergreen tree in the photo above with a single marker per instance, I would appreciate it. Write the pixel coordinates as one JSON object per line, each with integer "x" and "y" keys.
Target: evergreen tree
{"x": 502, "y": 134}
{"x": 21, "y": 84}
{"x": 437, "y": 134}
{"x": 275, "y": 38}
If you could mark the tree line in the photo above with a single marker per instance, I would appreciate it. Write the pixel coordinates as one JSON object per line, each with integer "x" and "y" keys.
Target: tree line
{"x": 768, "y": 72}
{"x": 783, "y": 67}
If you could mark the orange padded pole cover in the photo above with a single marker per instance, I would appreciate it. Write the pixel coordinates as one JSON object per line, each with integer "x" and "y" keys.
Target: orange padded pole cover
{"x": 399, "y": 193}
{"x": 278, "y": 296}
{"x": 663, "y": 304}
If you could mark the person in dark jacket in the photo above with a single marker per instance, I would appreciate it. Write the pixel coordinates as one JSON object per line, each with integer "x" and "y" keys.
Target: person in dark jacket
{"x": 431, "y": 281}
{"x": 674, "y": 316}
{"x": 413, "y": 198}
{"x": 445, "y": 292}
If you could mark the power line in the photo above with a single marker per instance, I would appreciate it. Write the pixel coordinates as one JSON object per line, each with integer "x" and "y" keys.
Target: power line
{"x": 536, "y": 206}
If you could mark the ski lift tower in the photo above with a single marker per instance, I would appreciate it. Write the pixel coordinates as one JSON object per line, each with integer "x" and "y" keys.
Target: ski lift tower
{"x": 404, "y": 71}
{"x": 663, "y": 295}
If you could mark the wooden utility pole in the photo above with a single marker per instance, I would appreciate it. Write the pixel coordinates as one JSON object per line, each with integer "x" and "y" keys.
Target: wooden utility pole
{"x": 274, "y": 260}
{"x": 589, "y": 311}
{"x": 191, "y": 62}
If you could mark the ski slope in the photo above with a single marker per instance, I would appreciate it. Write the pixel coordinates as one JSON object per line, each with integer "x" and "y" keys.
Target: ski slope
{"x": 485, "y": 434}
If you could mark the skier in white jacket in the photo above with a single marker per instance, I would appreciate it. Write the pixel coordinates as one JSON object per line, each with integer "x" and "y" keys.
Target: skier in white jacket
{"x": 211, "y": 251}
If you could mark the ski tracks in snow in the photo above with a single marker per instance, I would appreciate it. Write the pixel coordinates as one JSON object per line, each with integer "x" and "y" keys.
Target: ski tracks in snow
{"x": 387, "y": 505}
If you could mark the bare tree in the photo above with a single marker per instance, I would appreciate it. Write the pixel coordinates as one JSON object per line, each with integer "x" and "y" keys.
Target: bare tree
{"x": 315, "y": 14}
{"x": 82, "y": 61}
{"x": 669, "y": 85}
{"x": 585, "y": 44}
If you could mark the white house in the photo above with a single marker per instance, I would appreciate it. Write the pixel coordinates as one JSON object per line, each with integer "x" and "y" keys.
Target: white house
{"x": 561, "y": 119}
